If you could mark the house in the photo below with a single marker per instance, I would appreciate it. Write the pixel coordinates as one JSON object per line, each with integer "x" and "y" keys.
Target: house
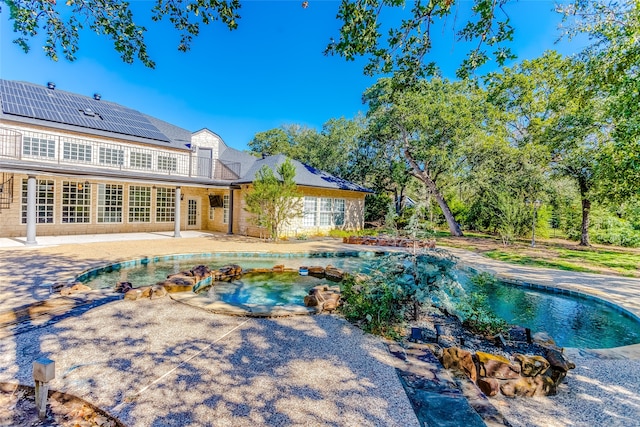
{"x": 73, "y": 164}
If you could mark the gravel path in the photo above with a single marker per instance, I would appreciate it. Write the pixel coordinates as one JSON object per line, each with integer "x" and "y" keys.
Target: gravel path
{"x": 161, "y": 363}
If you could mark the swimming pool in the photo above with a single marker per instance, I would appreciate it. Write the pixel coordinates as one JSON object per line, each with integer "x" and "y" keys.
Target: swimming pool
{"x": 573, "y": 321}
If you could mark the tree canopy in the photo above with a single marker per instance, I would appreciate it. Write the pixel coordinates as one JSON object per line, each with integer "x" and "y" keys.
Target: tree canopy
{"x": 405, "y": 49}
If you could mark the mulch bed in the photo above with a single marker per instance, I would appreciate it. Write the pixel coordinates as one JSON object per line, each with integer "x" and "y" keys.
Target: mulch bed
{"x": 18, "y": 409}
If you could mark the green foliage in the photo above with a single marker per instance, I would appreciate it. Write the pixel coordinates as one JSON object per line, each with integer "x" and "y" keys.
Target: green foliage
{"x": 375, "y": 207}
{"x": 274, "y": 201}
{"x": 397, "y": 288}
{"x": 474, "y": 311}
{"x": 609, "y": 228}
{"x": 390, "y": 220}
{"x": 409, "y": 38}
{"x": 61, "y": 23}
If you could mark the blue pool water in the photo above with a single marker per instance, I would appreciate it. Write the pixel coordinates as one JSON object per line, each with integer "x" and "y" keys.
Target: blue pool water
{"x": 571, "y": 321}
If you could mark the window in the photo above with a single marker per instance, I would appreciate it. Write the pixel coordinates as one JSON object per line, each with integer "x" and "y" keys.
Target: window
{"x": 140, "y": 160}
{"x": 76, "y": 202}
{"x": 139, "y": 203}
{"x": 38, "y": 147}
{"x": 338, "y": 212}
{"x": 166, "y": 163}
{"x": 44, "y": 201}
{"x": 212, "y": 213}
{"x": 165, "y": 204}
{"x": 225, "y": 209}
{"x": 109, "y": 203}
{"x": 111, "y": 156}
{"x": 324, "y": 212}
{"x": 310, "y": 210}
{"x": 76, "y": 151}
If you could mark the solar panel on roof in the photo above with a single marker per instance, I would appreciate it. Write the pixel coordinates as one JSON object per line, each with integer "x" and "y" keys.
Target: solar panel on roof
{"x": 22, "y": 99}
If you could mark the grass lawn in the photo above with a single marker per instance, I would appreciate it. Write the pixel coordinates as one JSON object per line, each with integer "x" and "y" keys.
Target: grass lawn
{"x": 551, "y": 253}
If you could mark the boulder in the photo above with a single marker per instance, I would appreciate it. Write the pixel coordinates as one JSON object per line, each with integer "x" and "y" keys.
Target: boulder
{"x": 540, "y": 385}
{"x": 158, "y": 292}
{"x": 201, "y": 272}
{"x": 186, "y": 273}
{"x": 530, "y": 366}
{"x": 310, "y": 301}
{"x": 333, "y": 274}
{"x": 178, "y": 284}
{"x": 494, "y": 366}
{"x": 489, "y": 386}
{"x": 132, "y": 294}
{"x": 557, "y": 359}
{"x": 316, "y": 271}
{"x": 330, "y": 305}
{"x": 278, "y": 268}
{"x": 543, "y": 339}
{"x": 460, "y": 360}
{"x": 145, "y": 292}
{"x": 74, "y": 289}
{"x": 123, "y": 287}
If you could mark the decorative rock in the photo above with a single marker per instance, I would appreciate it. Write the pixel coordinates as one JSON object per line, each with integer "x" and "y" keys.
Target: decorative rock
{"x": 543, "y": 339}
{"x": 530, "y": 366}
{"x": 333, "y": 274}
{"x": 460, "y": 360}
{"x": 158, "y": 292}
{"x": 330, "y": 305}
{"x": 310, "y": 301}
{"x": 74, "y": 289}
{"x": 540, "y": 385}
{"x": 557, "y": 360}
{"x": 278, "y": 268}
{"x": 489, "y": 386}
{"x": 201, "y": 272}
{"x": 123, "y": 287}
{"x": 494, "y": 366}
{"x": 132, "y": 294}
{"x": 316, "y": 271}
{"x": 145, "y": 292}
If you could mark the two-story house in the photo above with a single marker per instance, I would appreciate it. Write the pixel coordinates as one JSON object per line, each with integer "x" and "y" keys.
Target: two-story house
{"x": 73, "y": 164}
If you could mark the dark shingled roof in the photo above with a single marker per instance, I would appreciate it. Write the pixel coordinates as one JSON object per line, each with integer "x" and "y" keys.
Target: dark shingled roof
{"x": 32, "y": 104}
{"x": 305, "y": 175}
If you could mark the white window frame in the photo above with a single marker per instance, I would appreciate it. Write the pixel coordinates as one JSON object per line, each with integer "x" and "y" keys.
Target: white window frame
{"x": 45, "y": 201}
{"x": 139, "y": 203}
{"x": 225, "y": 209}
{"x": 167, "y": 163}
{"x": 110, "y": 203}
{"x": 38, "y": 147}
{"x": 310, "y": 211}
{"x": 111, "y": 156}
{"x": 77, "y": 152}
{"x": 76, "y": 203}
{"x": 165, "y": 204}
{"x": 139, "y": 160}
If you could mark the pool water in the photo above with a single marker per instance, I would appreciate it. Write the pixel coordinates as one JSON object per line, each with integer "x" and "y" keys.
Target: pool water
{"x": 265, "y": 289}
{"x": 571, "y": 321}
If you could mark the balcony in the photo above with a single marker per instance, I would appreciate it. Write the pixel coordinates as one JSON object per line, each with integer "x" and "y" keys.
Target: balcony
{"x": 73, "y": 152}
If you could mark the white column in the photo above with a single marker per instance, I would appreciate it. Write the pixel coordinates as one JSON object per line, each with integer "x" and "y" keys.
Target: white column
{"x": 230, "y": 227}
{"x": 176, "y": 229}
{"x": 31, "y": 210}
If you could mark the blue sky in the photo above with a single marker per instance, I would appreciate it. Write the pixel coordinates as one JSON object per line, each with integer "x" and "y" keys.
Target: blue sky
{"x": 269, "y": 72}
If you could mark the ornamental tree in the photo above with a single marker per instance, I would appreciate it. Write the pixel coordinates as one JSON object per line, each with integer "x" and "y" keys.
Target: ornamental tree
{"x": 274, "y": 200}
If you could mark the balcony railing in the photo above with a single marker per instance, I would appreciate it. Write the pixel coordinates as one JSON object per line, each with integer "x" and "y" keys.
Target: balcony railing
{"x": 63, "y": 150}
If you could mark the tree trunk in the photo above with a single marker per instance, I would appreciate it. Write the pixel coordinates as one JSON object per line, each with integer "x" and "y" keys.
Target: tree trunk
{"x": 586, "y": 208}
{"x": 423, "y": 175}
